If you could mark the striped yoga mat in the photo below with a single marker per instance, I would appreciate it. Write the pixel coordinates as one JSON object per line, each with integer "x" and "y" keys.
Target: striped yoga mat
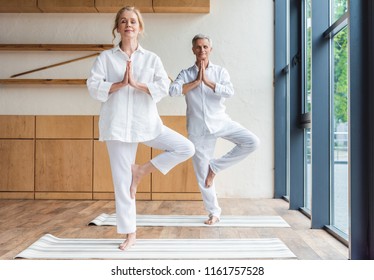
{"x": 194, "y": 221}
{"x": 51, "y": 247}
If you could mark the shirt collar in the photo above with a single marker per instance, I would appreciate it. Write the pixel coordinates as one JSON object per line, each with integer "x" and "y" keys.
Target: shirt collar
{"x": 209, "y": 65}
{"x": 139, "y": 49}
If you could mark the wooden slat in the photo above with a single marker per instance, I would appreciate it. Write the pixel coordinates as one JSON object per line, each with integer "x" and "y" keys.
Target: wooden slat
{"x": 176, "y": 196}
{"x": 64, "y": 127}
{"x": 181, "y": 6}
{"x": 17, "y": 165}
{"x": 112, "y": 6}
{"x": 67, "y": 6}
{"x": 54, "y": 65}
{"x": 43, "y": 81}
{"x": 104, "y": 6}
{"x": 16, "y": 195}
{"x": 63, "y": 166}
{"x": 110, "y": 196}
{"x": 63, "y": 195}
{"x": 19, "y": 6}
{"x": 12, "y": 126}
{"x": 182, "y": 177}
{"x": 55, "y": 47}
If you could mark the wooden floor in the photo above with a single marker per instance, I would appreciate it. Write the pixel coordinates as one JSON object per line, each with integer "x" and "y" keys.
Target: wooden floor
{"x": 22, "y": 222}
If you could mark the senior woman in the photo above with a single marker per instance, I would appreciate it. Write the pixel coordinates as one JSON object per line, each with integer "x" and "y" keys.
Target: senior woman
{"x": 129, "y": 80}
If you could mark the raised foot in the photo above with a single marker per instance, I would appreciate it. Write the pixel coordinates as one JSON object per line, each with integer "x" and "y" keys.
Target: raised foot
{"x": 209, "y": 178}
{"x": 136, "y": 177}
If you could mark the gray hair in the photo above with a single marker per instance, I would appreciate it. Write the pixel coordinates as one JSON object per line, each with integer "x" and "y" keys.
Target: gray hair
{"x": 201, "y": 36}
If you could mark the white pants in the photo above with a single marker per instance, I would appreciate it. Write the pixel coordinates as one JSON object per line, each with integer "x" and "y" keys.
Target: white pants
{"x": 122, "y": 155}
{"x": 245, "y": 143}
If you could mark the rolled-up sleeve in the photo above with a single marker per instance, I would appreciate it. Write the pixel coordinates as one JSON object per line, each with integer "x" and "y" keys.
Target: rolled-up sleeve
{"x": 224, "y": 87}
{"x": 97, "y": 85}
{"x": 176, "y": 87}
{"x": 159, "y": 87}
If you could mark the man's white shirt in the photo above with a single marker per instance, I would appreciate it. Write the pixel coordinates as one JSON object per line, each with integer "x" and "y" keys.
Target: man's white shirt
{"x": 206, "y": 112}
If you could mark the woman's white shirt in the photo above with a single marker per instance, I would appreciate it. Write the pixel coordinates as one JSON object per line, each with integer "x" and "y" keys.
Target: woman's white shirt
{"x": 128, "y": 114}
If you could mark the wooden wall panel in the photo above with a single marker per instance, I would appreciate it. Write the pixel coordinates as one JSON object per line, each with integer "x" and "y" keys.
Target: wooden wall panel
{"x": 112, "y": 6}
{"x": 181, "y": 6}
{"x": 181, "y": 179}
{"x": 17, "y": 165}
{"x": 63, "y": 165}
{"x": 17, "y": 127}
{"x": 176, "y": 196}
{"x": 64, "y": 195}
{"x": 60, "y": 127}
{"x": 101, "y": 169}
{"x": 110, "y": 196}
{"x": 19, "y": 6}
{"x": 96, "y": 127}
{"x": 57, "y": 157}
{"x": 17, "y": 195}
{"x": 102, "y": 174}
{"x": 67, "y": 6}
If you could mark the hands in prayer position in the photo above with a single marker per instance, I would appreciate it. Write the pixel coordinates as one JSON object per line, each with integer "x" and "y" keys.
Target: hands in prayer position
{"x": 201, "y": 78}
{"x": 128, "y": 80}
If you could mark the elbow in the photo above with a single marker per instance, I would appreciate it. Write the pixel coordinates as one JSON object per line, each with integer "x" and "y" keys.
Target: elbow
{"x": 173, "y": 92}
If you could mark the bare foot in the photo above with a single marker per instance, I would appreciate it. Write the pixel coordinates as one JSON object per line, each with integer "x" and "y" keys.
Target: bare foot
{"x": 212, "y": 220}
{"x": 209, "y": 178}
{"x": 138, "y": 172}
{"x": 136, "y": 177}
{"x": 130, "y": 240}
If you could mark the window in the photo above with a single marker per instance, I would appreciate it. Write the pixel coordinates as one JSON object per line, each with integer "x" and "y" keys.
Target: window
{"x": 339, "y": 129}
{"x": 307, "y": 101}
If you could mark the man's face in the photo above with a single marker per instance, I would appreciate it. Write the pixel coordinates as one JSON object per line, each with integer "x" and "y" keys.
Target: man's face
{"x": 202, "y": 49}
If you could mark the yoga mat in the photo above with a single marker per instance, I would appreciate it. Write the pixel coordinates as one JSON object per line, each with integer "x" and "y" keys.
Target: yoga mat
{"x": 51, "y": 247}
{"x": 194, "y": 221}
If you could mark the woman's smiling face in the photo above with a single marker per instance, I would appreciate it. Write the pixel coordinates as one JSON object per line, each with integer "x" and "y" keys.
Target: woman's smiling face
{"x": 128, "y": 25}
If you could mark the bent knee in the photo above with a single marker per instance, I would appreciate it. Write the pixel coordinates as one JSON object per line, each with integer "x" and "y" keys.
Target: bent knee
{"x": 256, "y": 142}
{"x": 252, "y": 143}
{"x": 188, "y": 149}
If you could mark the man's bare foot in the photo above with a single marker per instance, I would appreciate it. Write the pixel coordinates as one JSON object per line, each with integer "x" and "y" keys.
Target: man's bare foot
{"x": 130, "y": 240}
{"x": 209, "y": 179}
{"x": 136, "y": 177}
{"x": 212, "y": 220}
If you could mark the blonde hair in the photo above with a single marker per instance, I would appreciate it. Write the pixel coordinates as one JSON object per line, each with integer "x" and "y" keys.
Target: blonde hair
{"x": 118, "y": 16}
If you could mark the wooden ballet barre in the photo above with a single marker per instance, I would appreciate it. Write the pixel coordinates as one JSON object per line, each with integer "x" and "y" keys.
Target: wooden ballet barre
{"x": 54, "y": 65}
{"x": 55, "y": 47}
{"x": 43, "y": 81}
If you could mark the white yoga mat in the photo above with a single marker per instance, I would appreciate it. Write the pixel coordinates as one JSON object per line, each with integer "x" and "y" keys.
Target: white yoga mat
{"x": 194, "y": 221}
{"x": 51, "y": 247}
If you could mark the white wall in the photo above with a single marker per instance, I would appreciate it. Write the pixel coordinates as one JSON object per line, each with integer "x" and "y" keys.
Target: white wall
{"x": 242, "y": 33}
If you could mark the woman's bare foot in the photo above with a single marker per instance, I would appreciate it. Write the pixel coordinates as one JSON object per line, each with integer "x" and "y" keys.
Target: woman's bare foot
{"x": 130, "y": 240}
{"x": 209, "y": 178}
{"x": 136, "y": 177}
{"x": 212, "y": 220}
{"x": 138, "y": 172}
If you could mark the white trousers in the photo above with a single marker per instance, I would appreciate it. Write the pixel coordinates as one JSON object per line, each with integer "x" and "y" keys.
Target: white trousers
{"x": 122, "y": 155}
{"x": 245, "y": 143}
